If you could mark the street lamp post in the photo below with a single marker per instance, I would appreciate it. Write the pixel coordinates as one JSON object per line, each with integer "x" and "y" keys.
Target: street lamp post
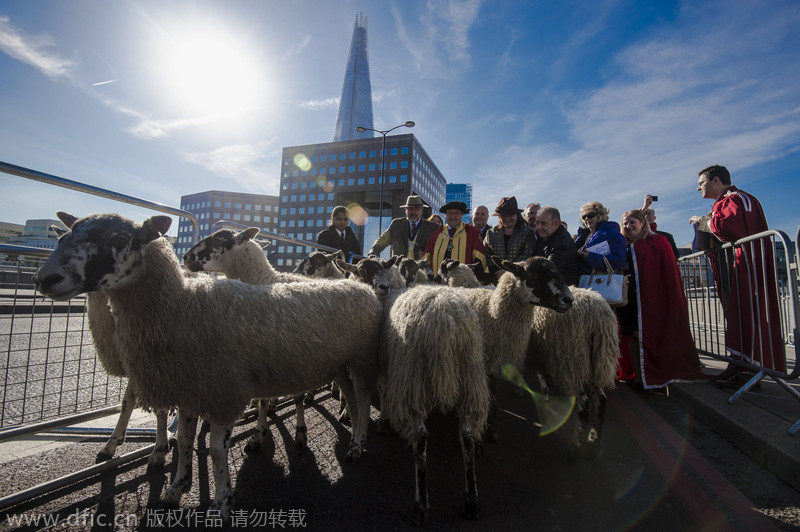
{"x": 383, "y": 164}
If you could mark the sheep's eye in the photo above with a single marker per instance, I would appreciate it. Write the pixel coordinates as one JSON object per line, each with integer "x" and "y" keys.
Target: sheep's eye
{"x": 120, "y": 239}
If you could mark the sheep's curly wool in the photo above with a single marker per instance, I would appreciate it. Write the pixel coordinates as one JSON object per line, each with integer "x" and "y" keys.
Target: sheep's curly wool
{"x": 431, "y": 357}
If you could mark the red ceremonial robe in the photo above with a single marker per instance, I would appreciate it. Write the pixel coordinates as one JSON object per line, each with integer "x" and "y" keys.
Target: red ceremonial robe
{"x": 752, "y": 315}
{"x": 666, "y": 348}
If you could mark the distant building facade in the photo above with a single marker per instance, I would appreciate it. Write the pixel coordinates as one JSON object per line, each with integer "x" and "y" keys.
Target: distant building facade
{"x": 249, "y": 210}
{"x": 317, "y": 177}
{"x": 9, "y": 230}
{"x": 461, "y": 192}
{"x": 38, "y": 233}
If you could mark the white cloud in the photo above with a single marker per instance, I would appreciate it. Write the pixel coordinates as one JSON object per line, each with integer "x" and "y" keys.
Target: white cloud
{"x": 297, "y": 48}
{"x": 33, "y": 50}
{"x": 319, "y": 105}
{"x": 719, "y": 86}
{"x": 251, "y": 166}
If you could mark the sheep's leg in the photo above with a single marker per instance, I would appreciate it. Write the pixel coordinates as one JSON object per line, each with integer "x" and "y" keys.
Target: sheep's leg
{"x": 579, "y": 438}
{"x": 220, "y": 440}
{"x": 301, "y": 432}
{"x": 257, "y": 439}
{"x": 421, "y": 504}
{"x": 490, "y": 434}
{"x": 159, "y": 455}
{"x": 470, "y": 466}
{"x": 118, "y": 435}
{"x": 187, "y": 428}
{"x": 383, "y": 422}
{"x": 596, "y": 414}
{"x": 350, "y": 390}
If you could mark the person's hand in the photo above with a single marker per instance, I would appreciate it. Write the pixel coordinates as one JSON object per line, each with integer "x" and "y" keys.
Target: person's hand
{"x": 648, "y": 200}
{"x": 694, "y": 220}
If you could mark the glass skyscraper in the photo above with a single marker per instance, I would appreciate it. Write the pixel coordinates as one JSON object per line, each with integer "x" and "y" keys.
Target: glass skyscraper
{"x": 355, "y": 105}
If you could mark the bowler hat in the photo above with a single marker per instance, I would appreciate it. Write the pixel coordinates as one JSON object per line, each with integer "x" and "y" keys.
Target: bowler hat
{"x": 460, "y": 205}
{"x": 507, "y": 207}
{"x": 414, "y": 201}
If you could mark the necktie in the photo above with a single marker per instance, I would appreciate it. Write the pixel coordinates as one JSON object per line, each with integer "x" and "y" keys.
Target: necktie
{"x": 451, "y": 230}
{"x": 413, "y": 228}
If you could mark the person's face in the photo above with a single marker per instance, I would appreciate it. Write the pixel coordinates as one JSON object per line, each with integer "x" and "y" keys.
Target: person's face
{"x": 453, "y": 217}
{"x": 650, "y": 215}
{"x": 590, "y": 219}
{"x": 340, "y": 221}
{"x": 530, "y": 215}
{"x": 508, "y": 220}
{"x": 708, "y": 188}
{"x": 414, "y": 213}
{"x": 480, "y": 217}
{"x": 545, "y": 225}
{"x": 632, "y": 227}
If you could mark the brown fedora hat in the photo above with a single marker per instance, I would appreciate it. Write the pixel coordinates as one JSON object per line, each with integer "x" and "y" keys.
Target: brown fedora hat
{"x": 414, "y": 201}
{"x": 507, "y": 206}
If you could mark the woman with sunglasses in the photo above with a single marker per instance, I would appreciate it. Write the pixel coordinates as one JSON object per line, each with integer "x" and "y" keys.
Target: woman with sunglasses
{"x": 600, "y": 238}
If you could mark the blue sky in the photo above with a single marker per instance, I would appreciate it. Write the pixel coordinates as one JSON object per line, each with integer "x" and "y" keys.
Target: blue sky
{"x": 555, "y": 102}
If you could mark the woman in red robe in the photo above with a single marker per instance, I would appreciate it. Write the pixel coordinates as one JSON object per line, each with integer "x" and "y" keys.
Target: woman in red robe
{"x": 657, "y": 344}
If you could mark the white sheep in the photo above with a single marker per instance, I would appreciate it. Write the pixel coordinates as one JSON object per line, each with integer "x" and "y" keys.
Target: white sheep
{"x": 192, "y": 343}
{"x": 506, "y": 313}
{"x": 321, "y": 264}
{"x": 577, "y": 349}
{"x": 431, "y": 361}
{"x": 238, "y": 256}
{"x": 102, "y": 329}
{"x": 414, "y": 272}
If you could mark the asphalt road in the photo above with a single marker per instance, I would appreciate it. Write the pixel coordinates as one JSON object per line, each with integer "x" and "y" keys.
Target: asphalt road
{"x": 659, "y": 470}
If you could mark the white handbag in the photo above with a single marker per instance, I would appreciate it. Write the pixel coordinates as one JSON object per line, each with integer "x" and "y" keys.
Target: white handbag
{"x": 612, "y": 286}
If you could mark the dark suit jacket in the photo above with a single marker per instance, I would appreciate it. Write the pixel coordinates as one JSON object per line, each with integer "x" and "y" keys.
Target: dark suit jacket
{"x": 397, "y": 236}
{"x": 671, "y": 241}
{"x": 560, "y": 249}
{"x": 330, "y": 237}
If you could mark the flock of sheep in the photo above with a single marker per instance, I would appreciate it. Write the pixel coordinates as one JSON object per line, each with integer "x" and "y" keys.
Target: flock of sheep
{"x": 425, "y": 347}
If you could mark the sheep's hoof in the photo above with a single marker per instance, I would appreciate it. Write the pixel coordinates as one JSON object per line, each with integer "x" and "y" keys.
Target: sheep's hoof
{"x": 354, "y": 453}
{"x": 300, "y": 439}
{"x": 344, "y": 418}
{"x": 382, "y": 426}
{"x": 491, "y": 435}
{"x": 252, "y": 446}
{"x": 420, "y": 515}
{"x": 221, "y": 508}
{"x": 471, "y": 508}
{"x": 102, "y": 457}
{"x": 157, "y": 458}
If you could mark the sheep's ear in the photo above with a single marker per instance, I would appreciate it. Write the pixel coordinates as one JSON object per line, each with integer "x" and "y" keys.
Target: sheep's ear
{"x": 60, "y": 231}
{"x": 248, "y": 234}
{"x": 344, "y": 266}
{"x": 473, "y": 266}
{"x": 508, "y": 266}
{"x": 391, "y": 262}
{"x": 452, "y": 265}
{"x": 66, "y": 218}
{"x": 155, "y": 226}
{"x": 264, "y": 244}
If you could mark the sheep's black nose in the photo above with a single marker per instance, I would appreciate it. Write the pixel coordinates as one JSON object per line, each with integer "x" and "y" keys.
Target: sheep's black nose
{"x": 48, "y": 280}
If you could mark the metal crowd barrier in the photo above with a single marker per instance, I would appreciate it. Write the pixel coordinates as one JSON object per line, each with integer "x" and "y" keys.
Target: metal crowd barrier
{"x": 744, "y": 307}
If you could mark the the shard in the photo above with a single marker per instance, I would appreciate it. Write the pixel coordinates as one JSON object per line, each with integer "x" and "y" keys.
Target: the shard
{"x": 355, "y": 105}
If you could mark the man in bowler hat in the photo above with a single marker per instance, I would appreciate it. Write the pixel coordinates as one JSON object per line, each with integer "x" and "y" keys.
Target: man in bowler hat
{"x": 455, "y": 240}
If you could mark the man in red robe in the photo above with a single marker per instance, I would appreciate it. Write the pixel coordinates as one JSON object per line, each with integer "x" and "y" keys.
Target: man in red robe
{"x": 745, "y": 279}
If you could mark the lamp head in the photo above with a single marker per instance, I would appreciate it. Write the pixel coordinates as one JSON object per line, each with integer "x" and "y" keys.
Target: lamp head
{"x": 361, "y": 129}
{"x": 409, "y": 124}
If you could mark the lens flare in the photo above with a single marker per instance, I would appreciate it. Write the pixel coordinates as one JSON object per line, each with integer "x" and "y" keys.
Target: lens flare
{"x": 321, "y": 181}
{"x": 357, "y": 214}
{"x": 302, "y": 162}
{"x": 328, "y": 187}
{"x": 553, "y": 411}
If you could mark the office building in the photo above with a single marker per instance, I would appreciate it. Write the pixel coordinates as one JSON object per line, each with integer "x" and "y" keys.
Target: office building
{"x": 247, "y": 210}
{"x": 355, "y": 104}
{"x": 317, "y": 177}
{"x": 461, "y": 192}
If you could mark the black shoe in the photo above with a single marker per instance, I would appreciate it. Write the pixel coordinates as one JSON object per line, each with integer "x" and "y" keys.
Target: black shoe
{"x": 731, "y": 372}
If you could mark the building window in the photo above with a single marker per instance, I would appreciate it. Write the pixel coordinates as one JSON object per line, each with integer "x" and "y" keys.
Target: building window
{"x": 216, "y": 215}
{"x": 302, "y": 197}
{"x": 291, "y": 210}
{"x": 301, "y": 210}
{"x": 294, "y": 186}
{"x": 360, "y": 180}
{"x": 311, "y": 197}
{"x": 392, "y": 179}
{"x": 403, "y": 164}
{"x": 267, "y": 219}
{"x": 404, "y": 178}
{"x": 291, "y": 223}
{"x": 313, "y": 158}
{"x": 246, "y": 218}
{"x": 237, "y": 217}
{"x": 293, "y": 198}
{"x": 372, "y": 167}
{"x": 352, "y": 155}
{"x": 227, "y": 204}
{"x": 323, "y": 158}
{"x": 404, "y": 150}
{"x": 362, "y": 167}
{"x": 301, "y": 223}
{"x": 268, "y": 208}
{"x": 256, "y": 218}
{"x": 393, "y": 151}
{"x": 319, "y": 209}
{"x": 351, "y": 168}
{"x": 340, "y": 182}
{"x": 226, "y": 216}
{"x": 282, "y": 224}
{"x": 351, "y": 181}
{"x": 372, "y": 153}
{"x": 283, "y": 210}
{"x": 371, "y": 181}
{"x": 330, "y": 196}
{"x": 333, "y": 156}
{"x": 393, "y": 165}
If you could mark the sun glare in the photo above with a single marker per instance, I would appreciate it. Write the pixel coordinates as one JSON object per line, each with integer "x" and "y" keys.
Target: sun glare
{"x": 211, "y": 72}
